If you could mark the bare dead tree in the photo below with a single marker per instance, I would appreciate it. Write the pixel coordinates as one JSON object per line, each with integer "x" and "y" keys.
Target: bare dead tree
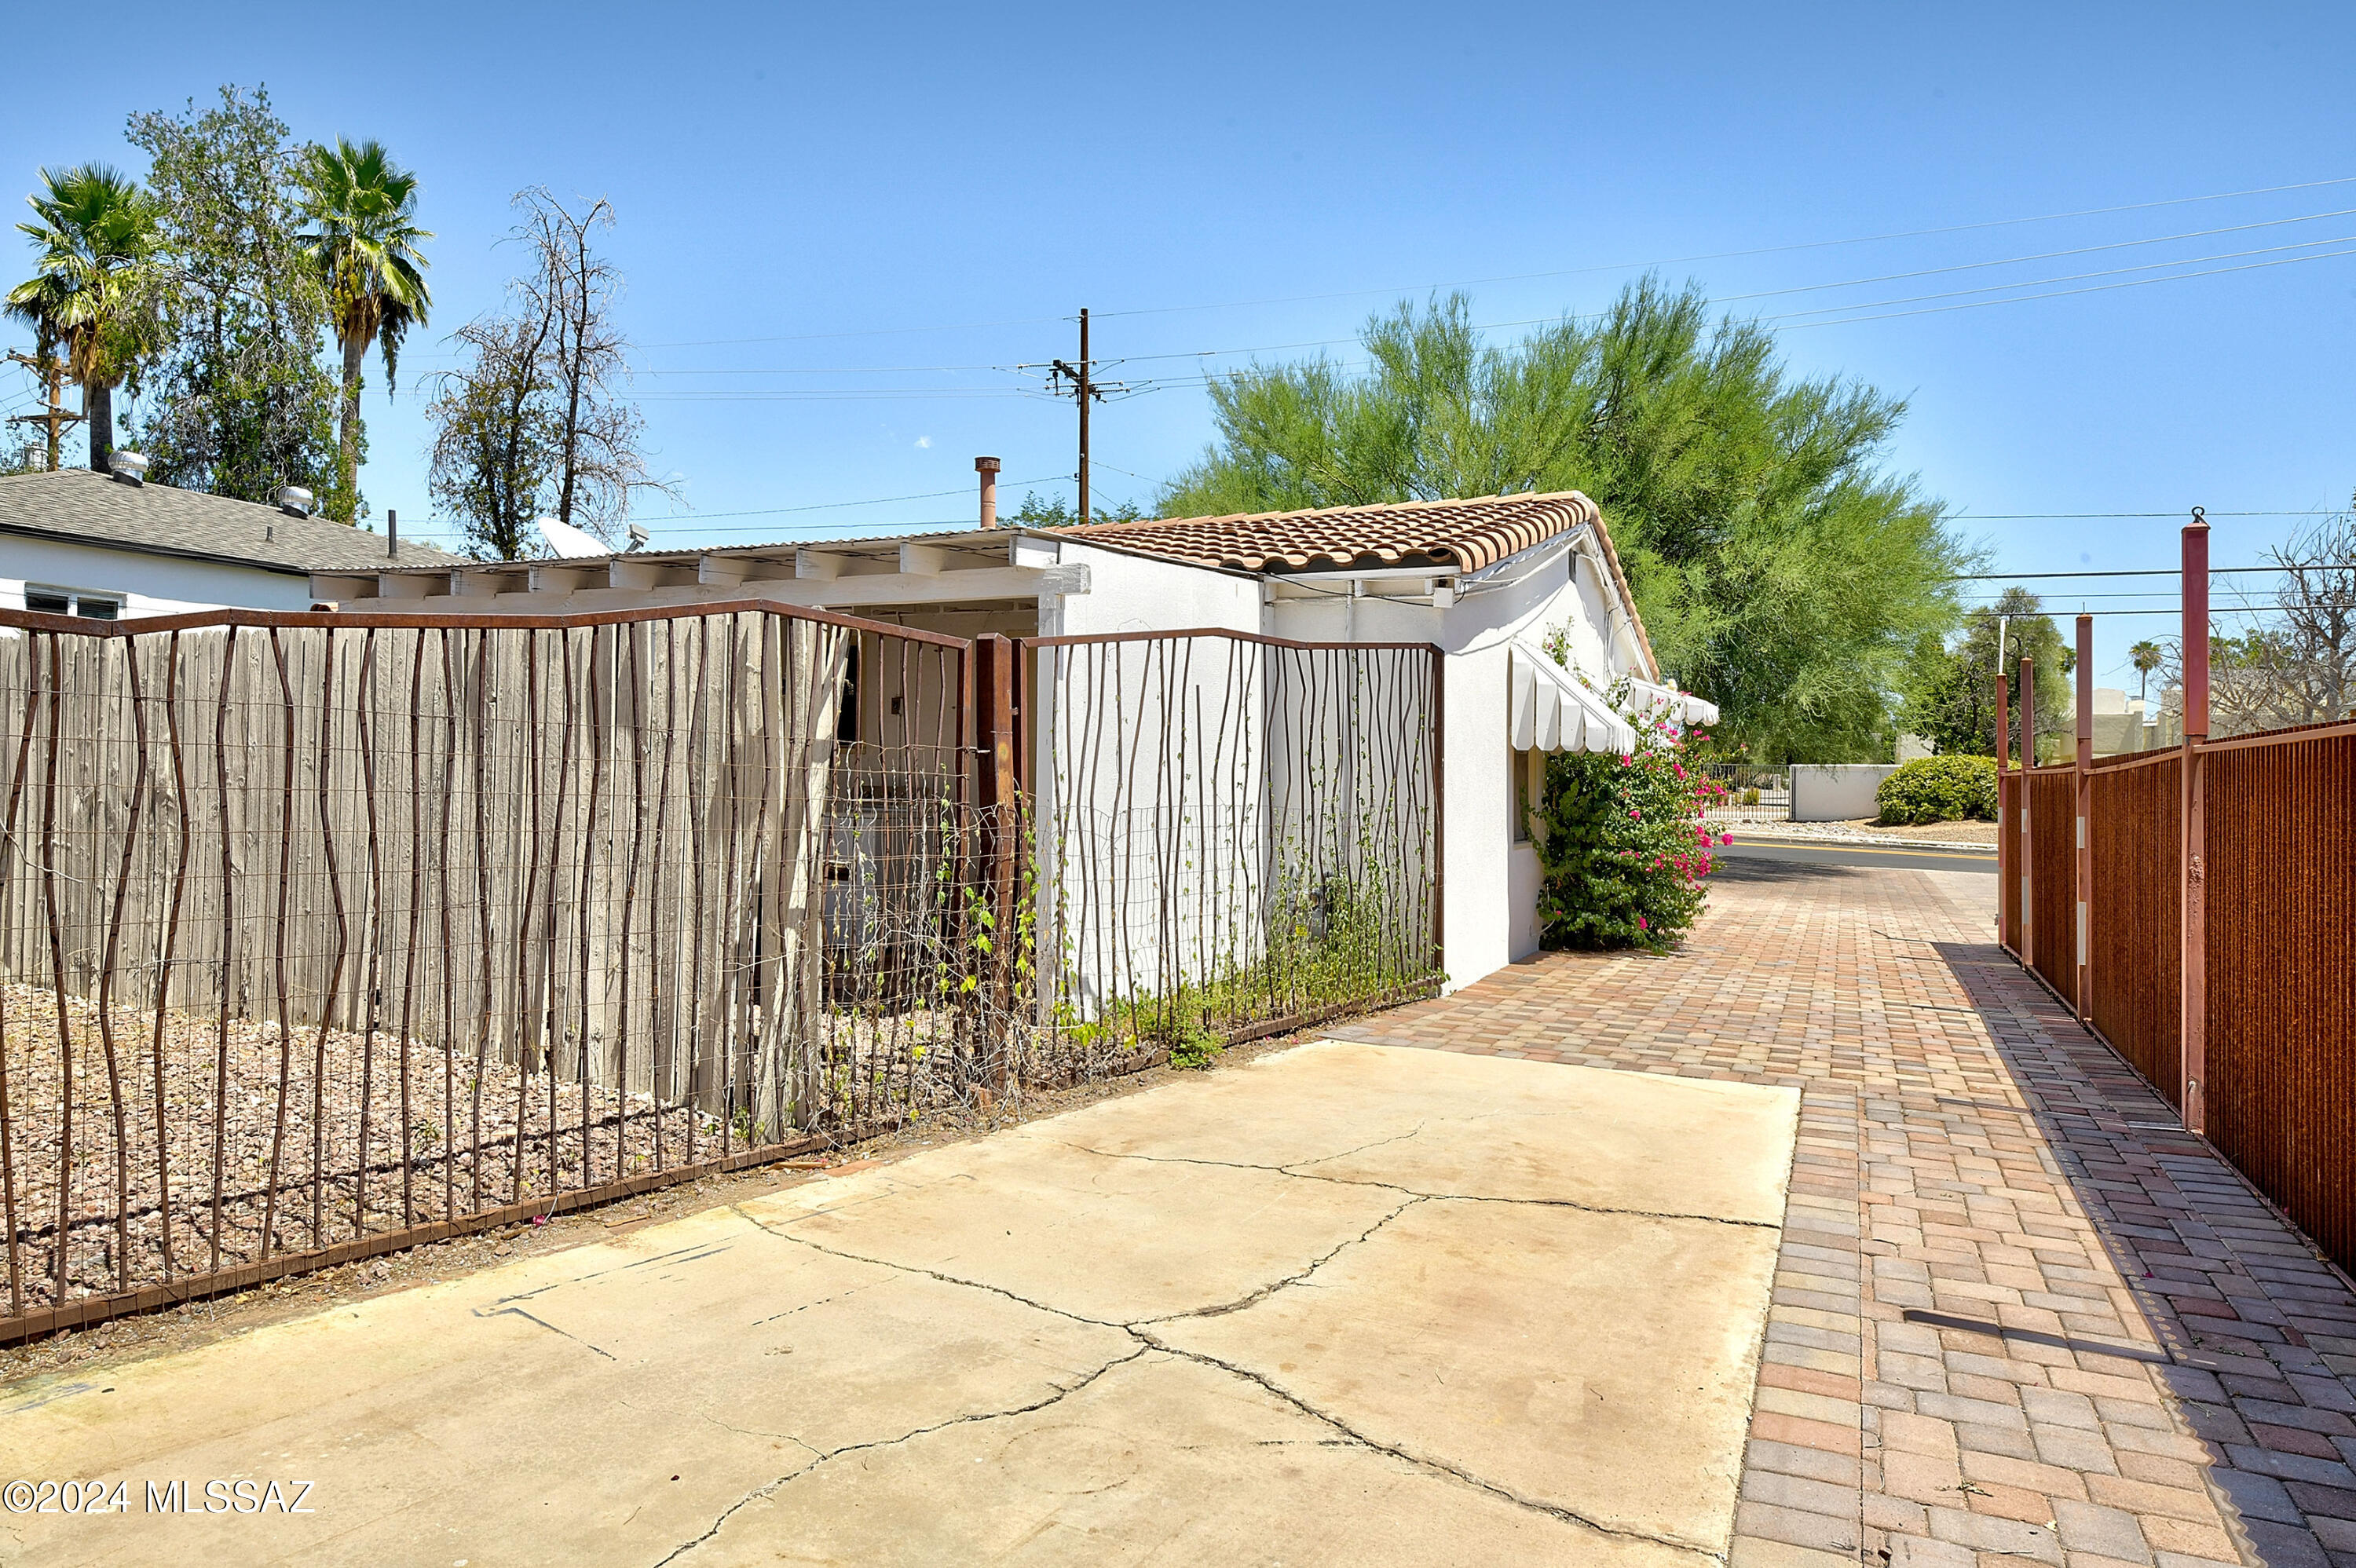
{"x": 493, "y": 432}
{"x": 2293, "y": 660}
{"x": 600, "y": 456}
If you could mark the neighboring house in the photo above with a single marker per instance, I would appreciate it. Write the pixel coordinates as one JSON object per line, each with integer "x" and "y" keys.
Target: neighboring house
{"x": 1488, "y": 580}
{"x": 106, "y": 547}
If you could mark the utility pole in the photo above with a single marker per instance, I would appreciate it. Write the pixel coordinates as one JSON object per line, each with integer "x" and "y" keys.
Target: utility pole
{"x": 52, "y": 372}
{"x": 1088, "y": 391}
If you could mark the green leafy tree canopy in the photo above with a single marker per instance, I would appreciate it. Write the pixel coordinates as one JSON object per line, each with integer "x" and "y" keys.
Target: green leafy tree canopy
{"x": 90, "y": 293}
{"x": 244, "y": 405}
{"x": 1951, "y": 689}
{"x": 1781, "y": 571}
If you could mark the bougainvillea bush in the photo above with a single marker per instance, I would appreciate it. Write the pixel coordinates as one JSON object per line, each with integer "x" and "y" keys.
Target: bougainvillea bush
{"x": 1622, "y": 841}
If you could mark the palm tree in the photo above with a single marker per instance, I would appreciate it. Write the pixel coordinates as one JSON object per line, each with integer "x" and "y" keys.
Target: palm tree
{"x": 2146, "y": 658}
{"x": 365, "y": 244}
{"x": 96, "y": 231}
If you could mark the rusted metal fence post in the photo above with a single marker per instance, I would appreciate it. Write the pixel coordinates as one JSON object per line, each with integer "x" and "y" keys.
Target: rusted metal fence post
{"x": 2005, "y": 936}
{"x": 1001, "y": 840}
{"x": 2193, "y": 988}
{"x": 2025, "y": 859}
{"x": 2083, "y": 798}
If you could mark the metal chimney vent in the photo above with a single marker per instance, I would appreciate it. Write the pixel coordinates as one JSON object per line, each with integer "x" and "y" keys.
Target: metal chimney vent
{"x": 294, "y": 501}
{"x": 130, "y": 467}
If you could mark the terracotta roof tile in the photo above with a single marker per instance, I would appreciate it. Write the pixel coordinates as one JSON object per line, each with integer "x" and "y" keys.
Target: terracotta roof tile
{"x": 1460, "y": 535}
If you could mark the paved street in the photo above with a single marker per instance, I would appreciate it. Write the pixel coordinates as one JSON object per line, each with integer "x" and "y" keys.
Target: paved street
{"x": 1794, "y": 852}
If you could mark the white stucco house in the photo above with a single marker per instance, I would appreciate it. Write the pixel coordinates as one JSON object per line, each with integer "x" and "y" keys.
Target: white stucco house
{"x": 1486, "y": 579}
{"x": 110, "y": 547}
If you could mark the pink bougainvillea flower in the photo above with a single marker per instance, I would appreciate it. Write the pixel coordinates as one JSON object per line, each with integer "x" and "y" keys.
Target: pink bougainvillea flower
{"x": 1626, "y": 761}
{"x": 1726, "y": 837}
{"x": 1644, "y": 924}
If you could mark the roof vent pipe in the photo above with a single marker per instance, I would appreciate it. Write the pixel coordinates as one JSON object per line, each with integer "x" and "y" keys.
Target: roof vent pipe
{"x": 988, "y": 468}
{"x": 392, "y": 535}
{"x": 130, "y": 467}
{"x": 294, "y": 501}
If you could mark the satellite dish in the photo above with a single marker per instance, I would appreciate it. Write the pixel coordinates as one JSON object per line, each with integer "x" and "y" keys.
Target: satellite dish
{"x": 564, "y": 540}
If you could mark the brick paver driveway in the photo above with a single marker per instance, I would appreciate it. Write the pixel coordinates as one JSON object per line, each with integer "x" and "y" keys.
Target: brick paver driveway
{"x": 2018, "y": 1316}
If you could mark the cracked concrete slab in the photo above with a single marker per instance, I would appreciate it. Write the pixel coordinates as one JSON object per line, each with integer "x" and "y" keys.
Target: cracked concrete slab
{"x": 1160, "y": 1461}
{"x": 539, "y": 1413}
{"x": 1112, "y": 1240}
{"x": 1597, "y": 1365}
{"x": 1350, "y": 1304}
{"x": 1472, "y": 1126}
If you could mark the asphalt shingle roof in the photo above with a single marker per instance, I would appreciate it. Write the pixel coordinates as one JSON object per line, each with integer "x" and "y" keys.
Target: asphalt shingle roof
{"x": 84, "y": 508}
{"x": 1462, "y": 535}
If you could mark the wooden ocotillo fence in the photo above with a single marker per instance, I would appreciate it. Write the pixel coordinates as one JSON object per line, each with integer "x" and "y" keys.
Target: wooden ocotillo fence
{"x": 319, "y": 928}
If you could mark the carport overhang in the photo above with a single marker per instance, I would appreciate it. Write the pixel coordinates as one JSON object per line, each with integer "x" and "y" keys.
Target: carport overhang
{"x": 980, "y": 575}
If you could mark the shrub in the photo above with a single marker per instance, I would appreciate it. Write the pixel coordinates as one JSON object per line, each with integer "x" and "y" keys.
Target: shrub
{"x": 1620, "y": 840}
{"x": 1940, "y": 789}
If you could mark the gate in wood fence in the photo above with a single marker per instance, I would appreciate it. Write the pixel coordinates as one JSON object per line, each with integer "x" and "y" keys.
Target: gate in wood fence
{"x": 323, "y": 934}
{"x": 2220, "y": 964}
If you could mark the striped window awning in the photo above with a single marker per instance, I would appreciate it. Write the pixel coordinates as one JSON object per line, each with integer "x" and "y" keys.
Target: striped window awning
{"x": 1688, "y": 709}
{"x": 1552, "y": 709}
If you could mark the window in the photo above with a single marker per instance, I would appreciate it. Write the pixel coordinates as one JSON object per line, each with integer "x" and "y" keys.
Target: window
{"x": 81, "y": 601}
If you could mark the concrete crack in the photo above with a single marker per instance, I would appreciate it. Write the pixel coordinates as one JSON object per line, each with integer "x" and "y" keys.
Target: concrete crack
{"x": 1301, "y": 1175}
{"x": 784, "y": 1235}
{"x": 1062, "y": 1391}
{"x": 1437, "y": 1467}
{"x": 1265, "y": 1291}
{"x": 519, "y": 1312}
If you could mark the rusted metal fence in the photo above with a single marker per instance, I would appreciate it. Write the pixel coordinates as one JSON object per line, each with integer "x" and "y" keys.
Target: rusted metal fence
{"x": 1236, "y": 834}
{"x": 2269, "y": 886}
{"x": 322, "y": 934}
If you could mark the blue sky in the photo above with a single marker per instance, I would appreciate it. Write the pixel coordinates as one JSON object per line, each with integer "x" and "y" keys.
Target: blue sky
{"x": 839, "y": 224}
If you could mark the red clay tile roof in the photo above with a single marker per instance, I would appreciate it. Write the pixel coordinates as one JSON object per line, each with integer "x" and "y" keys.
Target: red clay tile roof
{"x": 1459, "y": 535}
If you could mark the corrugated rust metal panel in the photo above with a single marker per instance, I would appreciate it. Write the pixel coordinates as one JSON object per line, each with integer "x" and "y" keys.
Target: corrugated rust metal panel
{"x": 2136, "y": 820}
{"x": 2053, "y": 853}
{"x": 2007, "y": 825}
{"x": 2282, "y": 976}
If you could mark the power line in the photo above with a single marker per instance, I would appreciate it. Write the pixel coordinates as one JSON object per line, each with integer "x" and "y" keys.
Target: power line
{"x": 1560, "y": 272}
{"x": 1760, "y": 251}
{"x": 2153, "y": 572}
{"x": 2058, "y": 294}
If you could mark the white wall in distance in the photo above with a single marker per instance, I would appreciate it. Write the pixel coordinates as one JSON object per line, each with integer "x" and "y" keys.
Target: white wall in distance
{"x": 1836, "y": 791}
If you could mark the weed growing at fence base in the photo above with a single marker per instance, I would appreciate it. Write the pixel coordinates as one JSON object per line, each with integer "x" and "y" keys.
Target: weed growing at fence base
{"x": 1326, "y": 948}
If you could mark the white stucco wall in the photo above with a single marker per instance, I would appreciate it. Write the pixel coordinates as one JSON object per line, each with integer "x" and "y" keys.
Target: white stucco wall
{"x": 1490, "y": 886}
{"x": 148, "y": 584}
{"x": 1837, "y": 792}
{"x": 1133, "y": 593}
